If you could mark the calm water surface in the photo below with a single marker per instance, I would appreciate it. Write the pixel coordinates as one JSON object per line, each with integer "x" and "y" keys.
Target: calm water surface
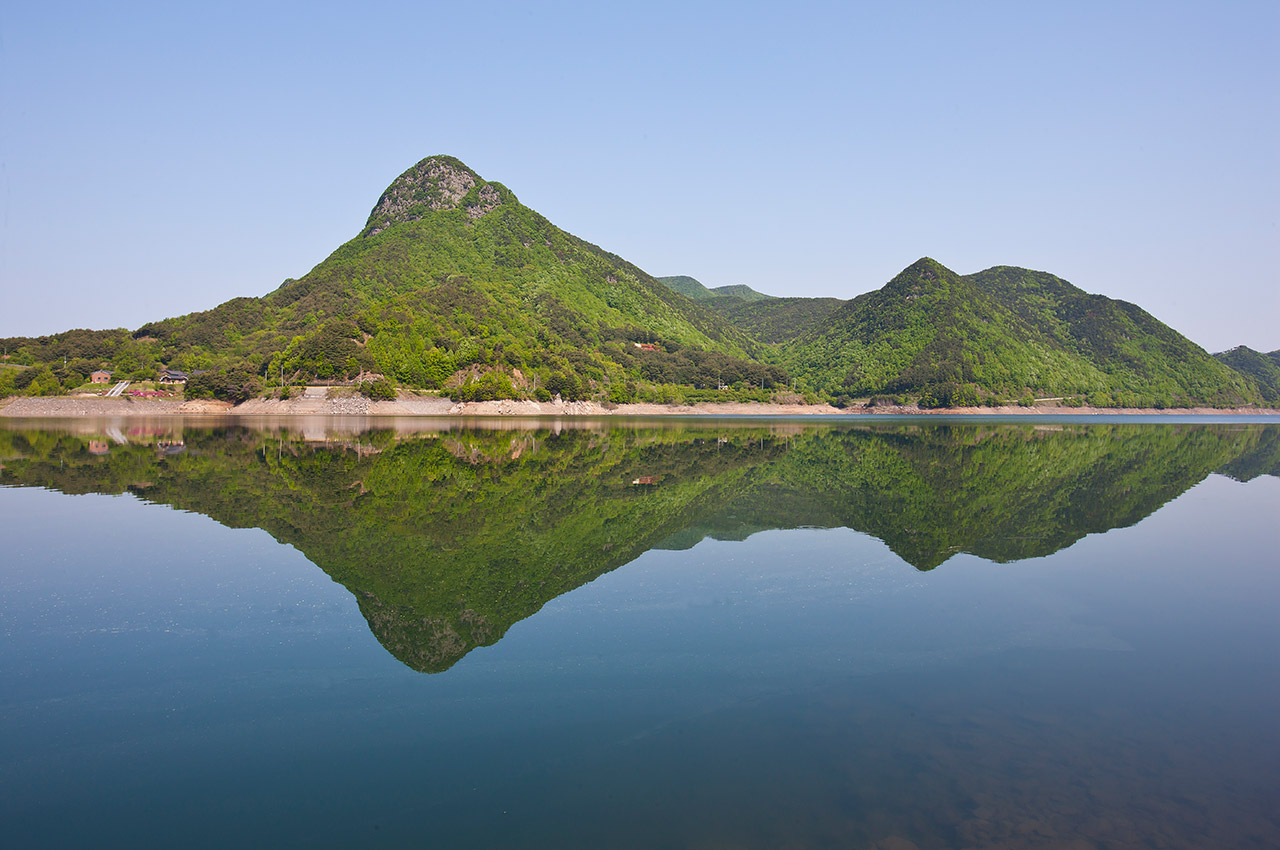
{"x": 685, "y": 635}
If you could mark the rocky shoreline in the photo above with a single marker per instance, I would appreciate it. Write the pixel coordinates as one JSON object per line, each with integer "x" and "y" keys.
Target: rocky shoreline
{"x": 409, "y": 405}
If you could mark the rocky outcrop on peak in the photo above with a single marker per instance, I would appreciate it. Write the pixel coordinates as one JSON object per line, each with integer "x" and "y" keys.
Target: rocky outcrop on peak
{"x": 435, "y": 183}
{"x": 487, "y": 198}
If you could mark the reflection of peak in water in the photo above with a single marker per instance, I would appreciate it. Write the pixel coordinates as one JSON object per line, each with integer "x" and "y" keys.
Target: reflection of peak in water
{"x": 448, "y": 540}
{"x": 1003, "y": 493}
{"x": 429, "y": 644}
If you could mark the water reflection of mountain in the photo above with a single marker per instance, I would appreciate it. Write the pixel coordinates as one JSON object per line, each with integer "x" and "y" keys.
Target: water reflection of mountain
{"x": 446, "y": 540}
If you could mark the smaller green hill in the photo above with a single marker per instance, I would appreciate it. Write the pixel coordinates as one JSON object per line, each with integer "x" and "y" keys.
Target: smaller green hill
{"x": 775, "y": 320}
{"x": 1262, "y": 368}
{"x": 687, "y": 286}
{"x": 693, "y": 288}
{"x": 739, "y": 290}
{"x": 1008, "y": 333}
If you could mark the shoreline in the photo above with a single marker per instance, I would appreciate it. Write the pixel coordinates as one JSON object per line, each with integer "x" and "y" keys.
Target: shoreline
{"x": 64, "y": 407}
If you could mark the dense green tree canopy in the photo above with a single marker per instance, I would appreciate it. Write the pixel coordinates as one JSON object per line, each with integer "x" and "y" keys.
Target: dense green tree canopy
{"x": 454, "y": 285}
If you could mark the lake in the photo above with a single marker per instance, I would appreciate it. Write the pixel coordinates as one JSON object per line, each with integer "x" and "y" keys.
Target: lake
{"x": 885, "y": 633}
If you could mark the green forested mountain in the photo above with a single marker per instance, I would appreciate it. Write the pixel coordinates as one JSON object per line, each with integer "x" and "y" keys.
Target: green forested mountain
{"x": 776, "y": 320}
{"x": 1010, "y": 333}
{"x": 454, "y": 285}
{"x": 1264, "y": 369}
{"x": 447, "y": 540}
{"x": 693, "y": 288}
{"x": 687, "y": 286}
{"x": 739, "y": 290}
{"x": 451, "y": 272}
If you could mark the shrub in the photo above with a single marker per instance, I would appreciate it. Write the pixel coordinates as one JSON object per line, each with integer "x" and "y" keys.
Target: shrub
{"x": 622, "y": 393}
{"x": 568, "y": 386}
{"x": 492, "y": 385}
{"x": 234, "y": 385}
{"x": 379, "y": 390}
{"x": 37, "y": 380}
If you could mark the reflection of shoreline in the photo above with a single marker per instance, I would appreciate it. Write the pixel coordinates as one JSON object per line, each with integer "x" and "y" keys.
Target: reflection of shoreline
{"x": 435, "y": 408}
{"x": 449, "y": 530}
{"x": 320, "y": 429}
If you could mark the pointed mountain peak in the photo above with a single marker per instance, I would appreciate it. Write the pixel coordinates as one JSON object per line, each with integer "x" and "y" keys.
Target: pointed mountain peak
{"x": 926, "y": 267}
{"x": 436, "y": 183}
{"x": 924, "y": 274}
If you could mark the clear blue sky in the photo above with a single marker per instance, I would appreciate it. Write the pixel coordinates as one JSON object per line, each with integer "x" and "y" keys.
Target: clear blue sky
{"x": 156, "y": 160}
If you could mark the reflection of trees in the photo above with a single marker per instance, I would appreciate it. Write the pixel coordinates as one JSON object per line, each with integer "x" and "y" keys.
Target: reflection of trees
{"x": 447, "y": 540}
{"x": 1003, "y": 493}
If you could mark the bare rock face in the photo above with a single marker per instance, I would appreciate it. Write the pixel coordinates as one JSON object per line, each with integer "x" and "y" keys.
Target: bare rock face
{"x": 435, "y": 183}
{"x": 488, "y": 198}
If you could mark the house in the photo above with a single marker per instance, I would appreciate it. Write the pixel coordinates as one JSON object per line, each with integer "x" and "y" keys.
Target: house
{"x": 173, "y": 376}
{"x": 645, "y": 479}
{"x": 101, "y": 376}
{"x": 645, "y": 346}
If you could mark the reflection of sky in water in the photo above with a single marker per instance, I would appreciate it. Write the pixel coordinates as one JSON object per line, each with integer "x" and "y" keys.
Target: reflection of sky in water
{"x": 171, "y": 681}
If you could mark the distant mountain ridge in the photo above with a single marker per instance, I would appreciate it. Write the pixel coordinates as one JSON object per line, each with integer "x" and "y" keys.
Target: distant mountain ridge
{"x": 454, "y": 285}
{"x": 693, "y": 288}
{"x": 1264, "y": 369}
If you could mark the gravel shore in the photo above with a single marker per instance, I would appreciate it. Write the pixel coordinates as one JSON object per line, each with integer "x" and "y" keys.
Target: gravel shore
{"x": 409, "y": 405}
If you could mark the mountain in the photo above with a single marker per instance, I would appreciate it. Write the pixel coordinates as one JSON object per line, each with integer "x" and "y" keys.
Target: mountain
{"x": 1264, "y": 369}
{"x": 454, "y": 285}
{"x": 452, "y": 272}
{"x": 687, "y": 286}
{"x": 739, "y": 290}
{"x": 775, "y": 320}
{"x": 1007, "y": 332}
{"x": 692, "y": 288}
